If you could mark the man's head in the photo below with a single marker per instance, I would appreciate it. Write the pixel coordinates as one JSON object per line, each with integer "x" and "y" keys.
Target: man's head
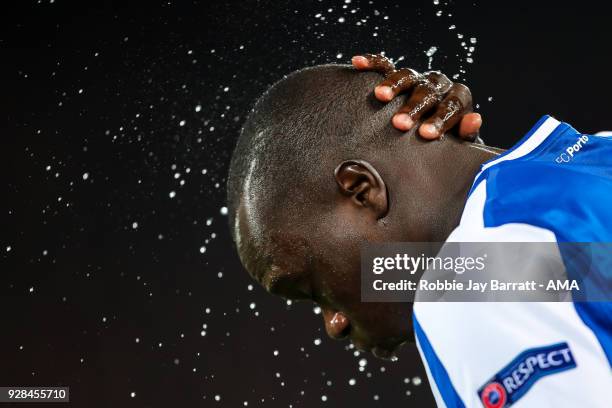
{"x": 317, "y": 171}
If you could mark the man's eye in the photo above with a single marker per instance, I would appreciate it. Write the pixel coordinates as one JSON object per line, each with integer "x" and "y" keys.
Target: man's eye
{"x": 290, "y": 289}
{"x": 319, "y": 299}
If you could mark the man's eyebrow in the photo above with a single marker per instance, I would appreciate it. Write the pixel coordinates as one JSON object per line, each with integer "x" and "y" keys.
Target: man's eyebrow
{"x": 275, "y": 278}
{"x": 270, "y": 279}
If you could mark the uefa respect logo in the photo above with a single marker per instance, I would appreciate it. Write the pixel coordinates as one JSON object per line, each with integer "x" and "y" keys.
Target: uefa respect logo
{"x": 514, "y": 380}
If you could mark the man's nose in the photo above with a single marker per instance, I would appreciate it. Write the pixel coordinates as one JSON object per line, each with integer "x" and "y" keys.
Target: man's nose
{"x": 337, "y": 324}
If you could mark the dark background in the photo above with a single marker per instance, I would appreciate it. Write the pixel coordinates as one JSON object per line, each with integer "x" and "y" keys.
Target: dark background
{"x": 103, "y": 285}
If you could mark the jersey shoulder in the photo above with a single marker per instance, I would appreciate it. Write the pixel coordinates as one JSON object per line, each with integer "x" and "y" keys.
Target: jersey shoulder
{"x": 549, "y": 182}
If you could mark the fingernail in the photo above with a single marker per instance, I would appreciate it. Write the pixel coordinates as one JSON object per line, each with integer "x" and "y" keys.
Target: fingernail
{"x": 384, "y": 92}
{"x": 429, "y": 130}
{"x": 403, "y": 121}
{"x": 358, "y": 59}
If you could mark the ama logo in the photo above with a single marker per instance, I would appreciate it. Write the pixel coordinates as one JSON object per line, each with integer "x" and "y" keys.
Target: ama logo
{"x": 514, "y": 380}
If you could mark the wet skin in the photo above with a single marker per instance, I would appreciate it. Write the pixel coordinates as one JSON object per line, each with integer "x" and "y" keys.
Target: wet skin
{"x": 450, "y": 102}
{"x": 314, "y": 254}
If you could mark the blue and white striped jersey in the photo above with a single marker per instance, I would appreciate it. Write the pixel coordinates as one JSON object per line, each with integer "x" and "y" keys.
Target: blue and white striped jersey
{"x": 555, "y": 185}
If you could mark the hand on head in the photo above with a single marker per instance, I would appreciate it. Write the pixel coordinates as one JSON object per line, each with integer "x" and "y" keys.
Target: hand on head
{"x": 451, "y": 103}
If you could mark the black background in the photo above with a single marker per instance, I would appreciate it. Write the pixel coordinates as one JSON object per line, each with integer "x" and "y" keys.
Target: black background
{"x": 80, "y": 282}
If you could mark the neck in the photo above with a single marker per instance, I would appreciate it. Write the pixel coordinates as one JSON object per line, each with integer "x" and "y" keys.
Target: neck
{"x": 459, "y": 175}
{"x": 435, "y": 179}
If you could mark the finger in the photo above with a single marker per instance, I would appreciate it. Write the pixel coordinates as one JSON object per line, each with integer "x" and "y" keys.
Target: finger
{"x": 397, "y": 82}
{"x": 373, "y": 62}
{"x": 439, "y": 80}
{"x": 470, "y": 126}
{"x": 423, "y": 98}
{"x": 360, "y": 62}
{"x": 449, "y": 112}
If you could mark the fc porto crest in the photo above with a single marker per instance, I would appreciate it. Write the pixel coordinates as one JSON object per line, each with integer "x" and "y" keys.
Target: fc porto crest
{"x": 514, "y": 380}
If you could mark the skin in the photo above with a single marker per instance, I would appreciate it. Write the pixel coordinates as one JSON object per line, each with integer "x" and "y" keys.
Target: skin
{"x": 415, "y": 193}
{"x": 431, "y": 90}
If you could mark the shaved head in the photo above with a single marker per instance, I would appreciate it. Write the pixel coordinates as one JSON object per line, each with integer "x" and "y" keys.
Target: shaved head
{"x": 317, "y": 171}
{"x": 295, "y": 135}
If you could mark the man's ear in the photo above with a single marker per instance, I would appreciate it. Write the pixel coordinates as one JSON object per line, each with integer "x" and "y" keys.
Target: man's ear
{"x": 360, "y": 181}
